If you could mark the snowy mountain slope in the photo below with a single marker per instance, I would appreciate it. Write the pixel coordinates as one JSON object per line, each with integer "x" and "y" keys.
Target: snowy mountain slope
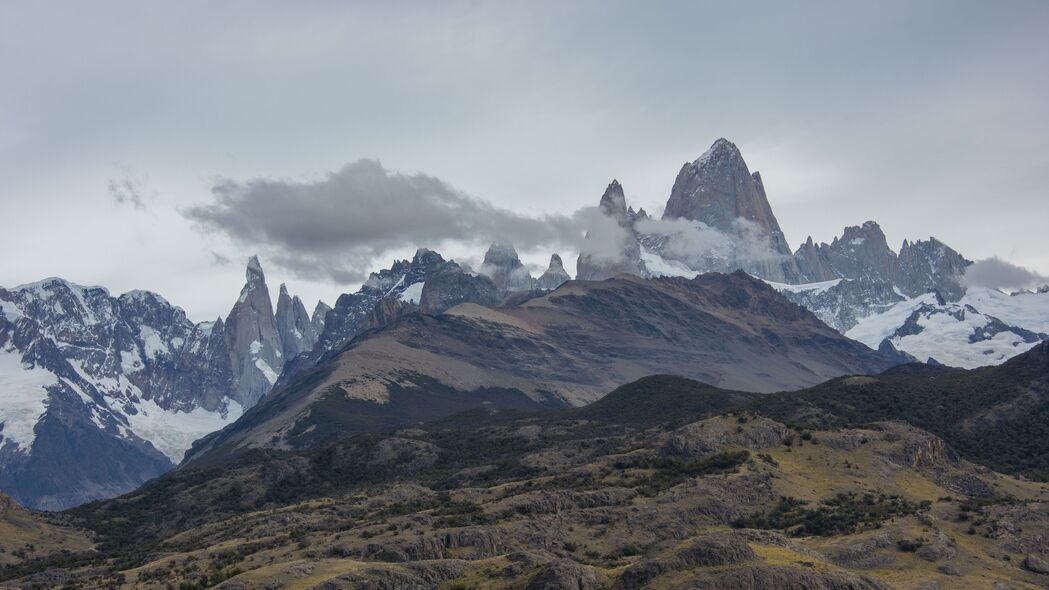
{"x": 100, "y": 393}
{"x": 985, "y": 327}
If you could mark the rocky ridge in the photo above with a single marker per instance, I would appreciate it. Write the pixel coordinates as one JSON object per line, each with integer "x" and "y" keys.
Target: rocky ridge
{"x": 564, "y": 347}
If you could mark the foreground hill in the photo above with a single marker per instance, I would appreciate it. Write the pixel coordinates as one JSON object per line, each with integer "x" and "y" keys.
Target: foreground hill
{"x": 997, "y": 415}
{"x": 663, "y": 483}
{"x": 567, "y": 347}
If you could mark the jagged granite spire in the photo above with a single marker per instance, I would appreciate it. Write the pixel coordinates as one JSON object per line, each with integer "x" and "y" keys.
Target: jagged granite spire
{"x": 294, "y": 327}
{"x": 317, "y": 319}
{"x": 256, "y": 353}
{"x": 718, "y": 190}
{"x": 930, "y": 265}
{"x": 613, "y": 203}
{"x": 554, "y": 276}
{"x": 599, "y": 263}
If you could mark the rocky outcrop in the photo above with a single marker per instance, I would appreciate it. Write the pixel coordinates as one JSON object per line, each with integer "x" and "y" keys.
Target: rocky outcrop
{"x": 554, "y": 276}
{"x": 930, "y": 265}
{"x": 861, "y": 253}
{"x": 718, "y": 549}
{"x": 700, "y": 439}
{"x": 317, "y": 318}
{"x": 565, "y": 575}
{"x": 768, "y": 577}
{"x": 1036, "y": 564}
{"x": 426, "y": 283}
{"x": 842, "y": 303}
{"x": 450, "y": 285}
{"x": 352, "y": 311}
{"x": 502, "y": 265}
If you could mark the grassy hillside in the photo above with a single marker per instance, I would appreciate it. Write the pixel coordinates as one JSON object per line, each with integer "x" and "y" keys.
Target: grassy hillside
{"x": 997, "y": 416}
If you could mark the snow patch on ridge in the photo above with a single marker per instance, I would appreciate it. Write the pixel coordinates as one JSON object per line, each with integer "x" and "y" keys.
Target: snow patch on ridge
{"x": 152, "y": 344}
{"x": 814, "y": 288}
{"x": 412, "y": 293}
{"x": 267, "y": 370}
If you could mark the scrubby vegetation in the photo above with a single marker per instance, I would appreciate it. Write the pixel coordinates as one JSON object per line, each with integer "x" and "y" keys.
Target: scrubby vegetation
{"x": 991, "y": 415}
{"x": 842, "y": 514}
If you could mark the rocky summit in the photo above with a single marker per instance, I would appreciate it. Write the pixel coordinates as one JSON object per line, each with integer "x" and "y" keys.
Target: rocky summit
{"x": 503, "y": 266}
{"x": 554, "y": 276}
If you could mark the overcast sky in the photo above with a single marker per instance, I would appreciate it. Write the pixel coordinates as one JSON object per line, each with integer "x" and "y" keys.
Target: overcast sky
{"x": 123, "y": 126}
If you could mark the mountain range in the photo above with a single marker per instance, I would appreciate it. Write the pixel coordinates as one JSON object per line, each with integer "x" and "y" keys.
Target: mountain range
{"x": 564, "y": 348}
{"x": 103, "y": 393}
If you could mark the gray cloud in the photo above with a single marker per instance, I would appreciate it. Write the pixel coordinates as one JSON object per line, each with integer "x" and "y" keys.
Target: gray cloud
{"x": 852, "y": 111}
{"x": 129, "y": 188}
{"x": 701, "y": 246}
{"x": 337, "y": 227}
{"x": 1000, "y": 274}
{"x": 220, "y": 259}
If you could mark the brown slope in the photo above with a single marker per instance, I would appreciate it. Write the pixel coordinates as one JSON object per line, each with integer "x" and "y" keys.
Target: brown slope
{"x": 566, "y": 347}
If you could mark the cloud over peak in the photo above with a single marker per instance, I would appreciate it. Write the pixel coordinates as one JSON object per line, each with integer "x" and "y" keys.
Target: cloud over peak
{"x": 338, "y": 226}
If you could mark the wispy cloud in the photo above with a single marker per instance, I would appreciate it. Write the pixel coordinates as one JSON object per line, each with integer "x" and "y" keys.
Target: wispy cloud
{"x": 1000, "y": 274}
{"x": 129, "y": 187}
{"x": 337, "y": 227}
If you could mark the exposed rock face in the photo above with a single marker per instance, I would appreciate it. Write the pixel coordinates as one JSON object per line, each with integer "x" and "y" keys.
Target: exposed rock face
{"x": 619, "y": 252}
{"x": 861, "y": 253}
{"x": 554, "y": 276}
{"x": 294, "y": 326}
{"x": 930, "y": 265}
{"x": 842, "y": 303}
{"x": 718, "y": 190}
{"x": 256, "y": 354}
{"x": 812, "y": 266}
{"x": 502, "y": 265}
{"x": 565, "y": 575}
{"x": 449, "y": 285}
{"x": 1036, "y": 564}
{"x": 320, "y": 311}
{"x": 426, "y": 283}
